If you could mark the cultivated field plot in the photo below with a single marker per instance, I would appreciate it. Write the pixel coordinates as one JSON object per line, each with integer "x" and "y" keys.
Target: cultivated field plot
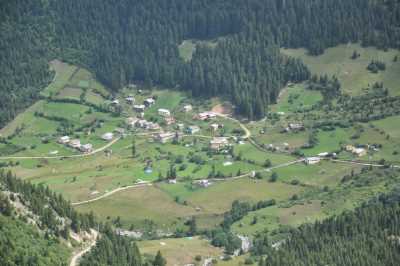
{"x": 63, "y": 73}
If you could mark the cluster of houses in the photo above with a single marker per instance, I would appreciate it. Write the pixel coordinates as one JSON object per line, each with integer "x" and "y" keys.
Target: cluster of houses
{"x": 356, "y": 151}
{"x": 204, "y": 183}
{"x": 219, "y": 143}
{"x": 75, "y": 144}
{"x": 164, "y": 137}
{"x": 134, "y": 122}
{"x": 205, "y": 116}
{"x": 107, "y": 136}
{"x": 140, "y": 107}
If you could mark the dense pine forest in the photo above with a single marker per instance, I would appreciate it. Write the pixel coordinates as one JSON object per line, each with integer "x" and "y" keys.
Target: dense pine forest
{"x": 137, "y": 41}
{"x": 367, "y": 236}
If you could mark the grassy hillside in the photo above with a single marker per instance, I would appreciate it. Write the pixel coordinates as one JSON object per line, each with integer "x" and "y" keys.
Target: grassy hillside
{"x": 353, "y": 74}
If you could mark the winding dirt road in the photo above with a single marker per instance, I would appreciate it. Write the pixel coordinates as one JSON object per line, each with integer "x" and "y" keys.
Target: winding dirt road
{"x": 75, "y": 258}
{"x": 105, "y": 195}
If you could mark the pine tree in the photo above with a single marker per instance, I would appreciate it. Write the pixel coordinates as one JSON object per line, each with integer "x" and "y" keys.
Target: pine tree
{"x": 159, "y": 260}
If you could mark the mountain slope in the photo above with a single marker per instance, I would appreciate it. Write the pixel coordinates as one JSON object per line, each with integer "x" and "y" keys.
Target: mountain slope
{"x": 138, "y": 41}
{"x": 22, "y": 244}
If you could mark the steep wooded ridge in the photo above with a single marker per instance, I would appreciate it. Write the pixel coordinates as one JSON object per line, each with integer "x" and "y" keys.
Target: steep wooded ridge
{"x": 126, "y": 41}
{"x": 367, "y": 236}
{"x": 35, "y": 225}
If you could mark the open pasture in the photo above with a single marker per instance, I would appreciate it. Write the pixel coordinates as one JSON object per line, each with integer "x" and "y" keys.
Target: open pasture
{"x": 180, "y": 251}
{"x": 353, "y": 74}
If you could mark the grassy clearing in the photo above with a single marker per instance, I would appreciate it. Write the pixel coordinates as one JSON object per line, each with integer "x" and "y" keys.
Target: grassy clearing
{"x": 273, "y": 217}
{"x": 135, "y": 206}
{"x": 159, "y": 205}
{"x": 180, "y": 251}
{"x": 317, "y": 204}
{"x": 330, "y": 141}
{"x": 296, "y": 98}
{"x": 94, "y": 98}
{"x": 23, "y": 119}
{"x": 188, "y": 47}
{"x": 249, "y": 152}
{"x": 186, "y": 50}
{"x": 353, "y": 73}
{"x": 63, "y": 74}
{"x": 165, "y": 99}
{"x": 390, "y": 125}
{"x": 218, "y": 198}
{"x": 323, "y": 174}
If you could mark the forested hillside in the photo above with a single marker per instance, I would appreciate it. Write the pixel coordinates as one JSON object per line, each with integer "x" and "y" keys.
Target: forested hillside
{"x": 367, "y": 236}
{"x": 22, "y": 244}
{"x": 112, "y": 250}
{"x": 35, "y": 225}
{"x": 24, "y": 54}
{"x": 127, "y": 41}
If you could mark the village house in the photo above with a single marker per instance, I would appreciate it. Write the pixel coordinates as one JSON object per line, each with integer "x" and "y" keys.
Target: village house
{"x": 131, "y": 121}
{"x": 107, "y": 136}
{"x": 141, "y": 123}
{"x": 214, "y": 126}
{"x": 149, "y": 102}
{"x": 192, "y": 129}
{"x": 115, "y": 102}
{"x": 187, "y": 108}
{"x": 153, "y": 126}
{"x": 139, "y": 108}
{"x": 86, "y": 148}
{"x": 147, "y": 125}
{"x": 323, "y": 154}
{"x": 164, "y": 137}
{"x": 295, "y": 126}
{"x": 312, "y": 160}
{"x": 356, "y": 151}
{"x": 75, "y": 143}
{"x": 63, "y": 140}
{"x": 218, "y": 143}
{"x": 171, "y": 181}
{"x": 169, "y": 120}
{"x": 164, "y": 112}
{"x": 359, "y": 152}
{"x": 180, "y": 126}
{"x": 204, "y": 183}
{"x": 130, "y": 99}
{"x": 206, "y": 116}
{"x": 119, "y": 130}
